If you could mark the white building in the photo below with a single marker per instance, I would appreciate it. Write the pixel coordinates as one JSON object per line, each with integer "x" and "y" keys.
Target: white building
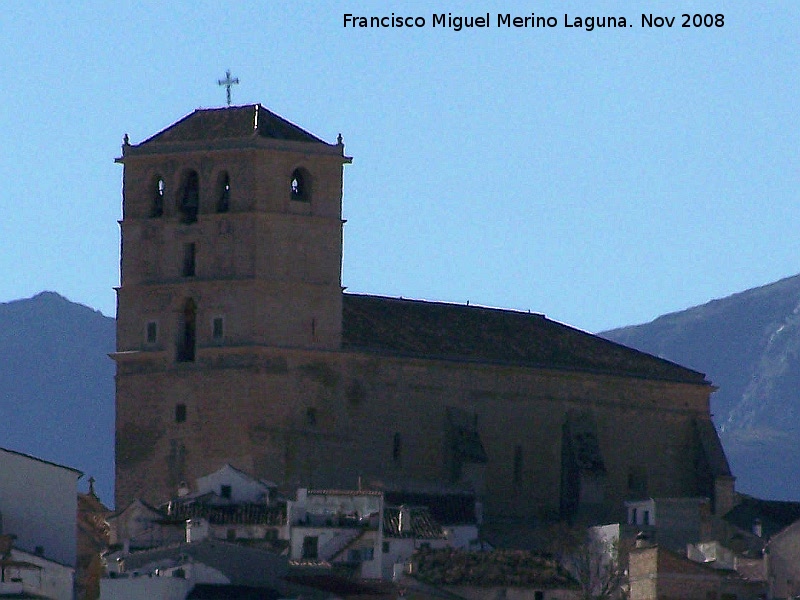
{"x": 29, "y": 575}
{"x": 39, "y": 504}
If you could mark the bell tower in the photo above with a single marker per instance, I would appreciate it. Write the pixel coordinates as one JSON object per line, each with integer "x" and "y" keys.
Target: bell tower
{"x": 231, "y": 245}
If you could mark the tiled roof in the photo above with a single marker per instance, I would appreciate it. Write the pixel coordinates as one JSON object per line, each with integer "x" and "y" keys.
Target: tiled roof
{"x": 774, "y": 515}
{"x": 233, "y": 514}
{"x": 242, "y": 565}
{"x": 333, "y": 492}
{"x": 212, "y": 124}
{"x": 436, "y": 330}
{"x": 214, "y": 591}
{"x": 422, "y": 525}
{"x": 448, "y": 509}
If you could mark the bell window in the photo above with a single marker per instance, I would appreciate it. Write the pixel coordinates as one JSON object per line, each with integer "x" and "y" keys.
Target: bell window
{"x": 301, "y": 186}
{"x": 224, "y": 193}
{"x": 189, "y": 202}
{"x": 157, "y": 201}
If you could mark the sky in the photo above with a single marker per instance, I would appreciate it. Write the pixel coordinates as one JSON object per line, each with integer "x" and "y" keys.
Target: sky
{"x": 601, "y": 177}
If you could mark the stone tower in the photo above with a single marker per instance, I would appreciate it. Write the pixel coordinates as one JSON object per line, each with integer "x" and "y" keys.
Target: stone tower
{"x": 231, "y": 243}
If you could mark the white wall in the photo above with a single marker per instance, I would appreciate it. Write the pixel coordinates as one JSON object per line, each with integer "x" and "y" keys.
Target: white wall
{"x": 50, "y": 580}
{"x": 243, "y": 487}
{"x": 39, "y": 504}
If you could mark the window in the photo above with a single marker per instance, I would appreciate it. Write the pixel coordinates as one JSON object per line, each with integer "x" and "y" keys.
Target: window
{"x": 152, "y": 332}
{"x": 157, "y": 204}
{"x": 224, "y": 193}
{"x": 218, "y": 328}
{"x": 637, "y": 482}
{"x": 310, "y": 546}
{"x": 645, "y": 517}
{"x": 180, "y": 413}
{"x": 189, "y": 260}
{"x": 225, "y": 491}
{"x": 311, "y": 416}
{"x": 538, "y": 595}
{"x": 301, "y": 186}
{"x": 397, "y": 448}
{"x": 386, "y": 547}
{"x": 633, "y": 518}
{"x": 231, "y": 535}
{"x": 190, "y": 197}
{"x": 517, "y": 477}
{"x": 187, "y": 342}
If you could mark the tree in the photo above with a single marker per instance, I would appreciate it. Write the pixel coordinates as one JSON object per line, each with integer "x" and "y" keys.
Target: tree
{"x": 593, "y": 558}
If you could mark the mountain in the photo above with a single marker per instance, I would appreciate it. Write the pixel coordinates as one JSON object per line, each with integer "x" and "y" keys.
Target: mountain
{"x": 57, "y": 385}
{"x": 748, "y": 345}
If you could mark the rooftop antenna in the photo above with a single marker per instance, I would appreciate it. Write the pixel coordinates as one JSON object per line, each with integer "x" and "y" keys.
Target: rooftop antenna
{"x": 228, "y": 82}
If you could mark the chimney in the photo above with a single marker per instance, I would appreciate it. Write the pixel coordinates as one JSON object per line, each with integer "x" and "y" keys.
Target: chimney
{"x": 642, "y": 540}
{"x": 197, "y": 530}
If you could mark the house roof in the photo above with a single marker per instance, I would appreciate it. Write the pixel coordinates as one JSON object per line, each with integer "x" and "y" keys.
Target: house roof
{"x": 421, "y": 526}
{"x": 437, "y": 330}
{"x": 230, "y": 514}
{"x": 671, "y": 563}
{"x": 131, "y": 505}
{"x": 774, "y": 515}
{"x": 233, "y": 122}
{"x": 41, "y": 460}
{"x": 448, "y": 509}
{"x": 212, "y": 591}
{"x": 242, "y": 565}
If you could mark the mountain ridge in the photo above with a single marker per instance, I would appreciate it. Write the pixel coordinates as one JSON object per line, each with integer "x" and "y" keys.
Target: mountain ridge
{"x": 57, "y": 385}
{"x": 748, "y": 344}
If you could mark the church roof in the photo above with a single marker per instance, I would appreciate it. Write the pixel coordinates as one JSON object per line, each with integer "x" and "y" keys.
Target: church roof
{"x": 437, "y": 330}
{"x": 232, "y": 122}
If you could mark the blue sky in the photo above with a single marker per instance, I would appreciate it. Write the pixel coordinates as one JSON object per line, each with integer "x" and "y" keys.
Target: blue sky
{"x": 602, "y": 178}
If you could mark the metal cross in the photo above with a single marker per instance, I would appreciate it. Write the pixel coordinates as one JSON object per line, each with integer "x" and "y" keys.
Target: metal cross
{"x": 228, "y": 82}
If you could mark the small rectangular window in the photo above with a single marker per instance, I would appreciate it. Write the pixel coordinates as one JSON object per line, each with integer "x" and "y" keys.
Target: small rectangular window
{"x": 152, "y": 332}
{"x": 189, "y": 260}
{"x": 310, "y": 547}
{"x": 397, "y": 448}
{"x": 311, "y": 416}
{"x": 386, "y": 547}
{"x": 517, "y": 465}
{"x": 646, "y": 517}
{"x": 218, "y": 328}
{"x": 180, "y": 413}
{"x": 225, "y": 491}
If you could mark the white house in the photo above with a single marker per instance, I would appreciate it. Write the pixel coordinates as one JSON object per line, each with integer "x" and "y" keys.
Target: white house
{"x": 39, "y": 505}
{"x": 338, "y": 526}
{"x": 234, "y": 486}
{"x": 28, "y": 575}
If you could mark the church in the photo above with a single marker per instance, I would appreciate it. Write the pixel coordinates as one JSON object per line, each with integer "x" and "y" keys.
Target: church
{"x": 237, "y": 344}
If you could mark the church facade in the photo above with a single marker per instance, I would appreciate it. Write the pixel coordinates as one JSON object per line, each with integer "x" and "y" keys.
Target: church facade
{"x": 237, "y": 344}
